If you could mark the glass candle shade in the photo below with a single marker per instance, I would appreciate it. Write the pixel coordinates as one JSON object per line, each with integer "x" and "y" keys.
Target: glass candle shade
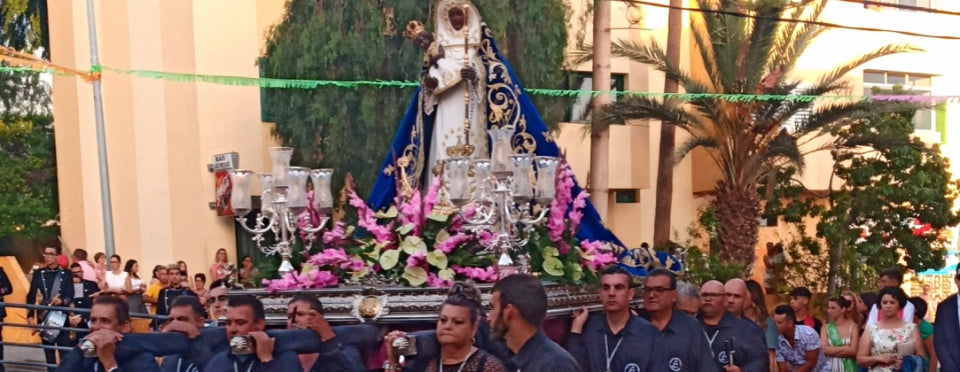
{"x": 240, "y": 199}
{"x": 499, "y": 157}
{"x": 522, "y": 185}
{"x": 457, "y": 182}
{"x": 322, "y": 196}
{"x": 546, "y": 179}
{"x": 297, "y": 189}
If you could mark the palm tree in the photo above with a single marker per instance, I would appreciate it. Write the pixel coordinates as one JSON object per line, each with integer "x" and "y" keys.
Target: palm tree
{"x": 747, "y": 140}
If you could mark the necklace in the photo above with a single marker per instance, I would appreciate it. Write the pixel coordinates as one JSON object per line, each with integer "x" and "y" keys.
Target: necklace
{"x": 606, "y": 348}
{"x": 462, "y": 364}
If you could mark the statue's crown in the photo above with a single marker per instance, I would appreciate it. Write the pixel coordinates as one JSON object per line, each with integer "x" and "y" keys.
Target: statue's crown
{"x": 414, "y": 28}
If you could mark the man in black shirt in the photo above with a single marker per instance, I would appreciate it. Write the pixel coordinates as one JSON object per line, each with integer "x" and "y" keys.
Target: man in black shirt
{"x": 56, "y": 288}
{"x": 518, "y": 308}
{"x": 83, "y": 291}
{"x": 681, "y": 342}
{"x": 5, "y": 289}
{"x": 737, "y": 345}
{"x": 615, "y": 340}
{"x": 176, "y": 289}
{"x": 800, "y": 302}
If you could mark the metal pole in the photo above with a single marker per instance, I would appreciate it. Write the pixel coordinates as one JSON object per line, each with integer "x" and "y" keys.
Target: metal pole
{"x": 105, "y": 202}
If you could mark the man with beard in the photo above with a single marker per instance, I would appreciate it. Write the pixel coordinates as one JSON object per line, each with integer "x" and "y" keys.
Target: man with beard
{"x": 681, "y": 337}
{"x": 628, "y": 341}
{"x": 174, "y": 290}
{"x": 735, "y": 345}
{"x": 109, "y": 322}
{"x": 518, "y": 308}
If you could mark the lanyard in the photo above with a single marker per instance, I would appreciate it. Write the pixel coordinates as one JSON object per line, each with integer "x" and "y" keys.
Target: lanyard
{"x": 606, "y": 348}
{"x": 462, "y": 364}
{"x": 710, "y": 340}
{"x": 235, "y": 369}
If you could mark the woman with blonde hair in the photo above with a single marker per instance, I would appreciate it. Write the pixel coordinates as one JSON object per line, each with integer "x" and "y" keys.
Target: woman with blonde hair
{"x": 219, "y": 269}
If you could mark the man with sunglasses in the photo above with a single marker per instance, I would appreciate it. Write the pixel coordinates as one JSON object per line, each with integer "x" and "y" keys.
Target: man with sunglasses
{"x": 946, "y": 331}
{"x": 56, "y": 288}
{"x": 217, "y": 301}
{"x": 682, "y": 342}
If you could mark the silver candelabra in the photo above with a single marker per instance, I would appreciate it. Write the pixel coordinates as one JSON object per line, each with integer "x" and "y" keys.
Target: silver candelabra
{"x": 507, "y": 201}
{"x": 283, "y": 200}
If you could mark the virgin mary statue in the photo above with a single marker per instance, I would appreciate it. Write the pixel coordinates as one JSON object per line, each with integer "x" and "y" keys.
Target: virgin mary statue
{"x": 462, "y": 60}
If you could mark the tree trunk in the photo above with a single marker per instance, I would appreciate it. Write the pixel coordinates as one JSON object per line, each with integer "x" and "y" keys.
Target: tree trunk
{"x": 600, "y": 140}
{"x": 833, "y": 273}
{"x": 738, "y": 212}
{"x": 664, "y": 203}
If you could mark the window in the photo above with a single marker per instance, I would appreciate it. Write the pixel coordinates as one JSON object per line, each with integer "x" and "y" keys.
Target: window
{"x": 802, "y": 116}
{"x": 918, "y": 84}
{"x": 877, "y": 4}
{"x": 580, "y": 109}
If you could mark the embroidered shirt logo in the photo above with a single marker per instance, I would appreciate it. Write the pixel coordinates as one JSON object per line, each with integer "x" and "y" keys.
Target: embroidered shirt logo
{"x": 675, "y": 364}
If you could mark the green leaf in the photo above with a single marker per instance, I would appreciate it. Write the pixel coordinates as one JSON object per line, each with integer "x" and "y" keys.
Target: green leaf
{"x": 405, "y": 229}
{"x": 389, "y": 259}
{"x": 437, "y": 259}
{"x": 446, "y": 274}
{"x": 439, "y": 217}
{"x": 413, "y": 244}
{"x": 415, "y": 275}
{"x": 551, "y": 252}
{"x": 388, "y": 214}
{"x": 553, "y": 266}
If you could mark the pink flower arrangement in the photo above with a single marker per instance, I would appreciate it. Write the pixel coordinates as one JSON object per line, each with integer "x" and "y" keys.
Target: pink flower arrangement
{"x": 368, "y": 221}
{"x": 416, "y": 259}
{"x": 437, "y": 282}
{"x": 480, "y": 274}
{"x": 453, "y": 242}
{"x": 596, "y": 255}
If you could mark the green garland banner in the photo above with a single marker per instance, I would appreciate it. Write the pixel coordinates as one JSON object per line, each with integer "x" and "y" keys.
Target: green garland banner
{"x": 274, "y": 83}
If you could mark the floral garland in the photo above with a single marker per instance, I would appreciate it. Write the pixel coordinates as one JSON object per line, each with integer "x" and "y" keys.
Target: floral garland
{"x": 411, "y": 243}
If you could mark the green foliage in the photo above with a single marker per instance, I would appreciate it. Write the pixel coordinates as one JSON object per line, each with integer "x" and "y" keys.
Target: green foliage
{"x": 702, "y": 267}
{"x": 888, "y": 180}
{"x": 351, "y": 129}
{"x": 28, "y": 187}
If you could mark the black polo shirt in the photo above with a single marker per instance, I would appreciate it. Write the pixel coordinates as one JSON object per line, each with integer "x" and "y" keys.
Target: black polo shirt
{"x": 746, "y": 339}
{"x": 540, "y": 354}
{"x": 683, "y": 345}
{"x": 634, "y": 349}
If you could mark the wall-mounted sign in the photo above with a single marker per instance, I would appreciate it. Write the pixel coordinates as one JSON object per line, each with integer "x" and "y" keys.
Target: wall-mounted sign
{"x": 220, "y": 167}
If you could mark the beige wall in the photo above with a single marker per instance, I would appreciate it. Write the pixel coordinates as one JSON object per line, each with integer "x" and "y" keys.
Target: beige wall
{"x": 160, "y": 135}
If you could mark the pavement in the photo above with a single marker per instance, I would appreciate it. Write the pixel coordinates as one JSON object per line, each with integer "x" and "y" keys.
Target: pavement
{"x": 23, "y": 354}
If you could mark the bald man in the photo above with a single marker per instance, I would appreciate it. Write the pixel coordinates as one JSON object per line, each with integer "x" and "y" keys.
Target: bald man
{"x": 736, "y": 345}
{"x": 737, "y": 296}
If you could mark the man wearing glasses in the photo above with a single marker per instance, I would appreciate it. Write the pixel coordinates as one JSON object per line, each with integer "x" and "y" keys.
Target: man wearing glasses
{"x": 734, "y": 343}
{"x": 217, "y": 301}
{"x": 682, "y": 338}
{"x": 56, "y": 288}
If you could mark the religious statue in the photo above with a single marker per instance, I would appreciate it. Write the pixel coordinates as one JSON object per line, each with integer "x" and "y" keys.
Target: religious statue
{"x": 467, "y": 86}
{"x": 453, "y": 79}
